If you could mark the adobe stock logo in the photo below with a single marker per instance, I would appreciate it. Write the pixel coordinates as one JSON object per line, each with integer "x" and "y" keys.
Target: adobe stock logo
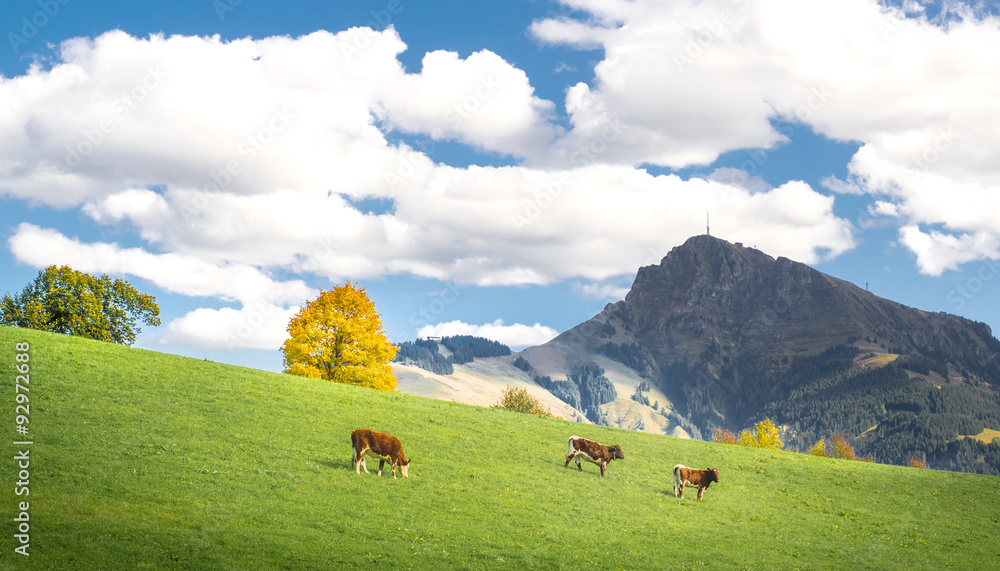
{"x": 30, "y": 25}
{"x": 91, "y": 139}
{"x": 963, "y": 293}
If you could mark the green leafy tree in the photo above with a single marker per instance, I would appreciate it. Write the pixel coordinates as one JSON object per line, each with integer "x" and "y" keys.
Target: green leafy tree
{"x": 339, "y": 337}
{"x": 520, "y": 400}
{"x": 63, "y": 300}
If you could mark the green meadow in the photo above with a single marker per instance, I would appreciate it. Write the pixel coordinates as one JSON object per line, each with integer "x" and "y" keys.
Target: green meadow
{"x": 147, "y": 460}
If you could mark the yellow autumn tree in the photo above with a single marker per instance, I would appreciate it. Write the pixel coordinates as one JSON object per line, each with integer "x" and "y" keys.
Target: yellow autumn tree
{"x": 837, "y": 446}
{"x": 818, "y": 449}
{"x": 764, "y": 434}
{"x": 339, "y": 337}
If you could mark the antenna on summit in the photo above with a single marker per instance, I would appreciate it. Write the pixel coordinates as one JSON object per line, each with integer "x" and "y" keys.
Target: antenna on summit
{"x": 708, "y": 232}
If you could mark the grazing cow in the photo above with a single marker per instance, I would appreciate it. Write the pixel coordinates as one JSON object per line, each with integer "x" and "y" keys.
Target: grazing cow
{"x": 592, "y": 452}
{"x": 385, "y": 447}
{"x": 689, "y": 476}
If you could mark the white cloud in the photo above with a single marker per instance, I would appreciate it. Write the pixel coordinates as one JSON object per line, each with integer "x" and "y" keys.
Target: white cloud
{"x": 938, "y": 251}
{"x": 256, "y": 326}
{"x": 489, "y": 226}
{"x": 834, "y": 184}
{"x": 683, "y": 82}
{"x": 259, "y": 324}
{"x": 187, "y": 275}
{"x": 602, "y": 291}
{"x": 249, "y": 167}
{"x": 288, "y": 113}
{"x": 516, "y": 336}
{"x": 481, "y": 100}
{"x": 882, "y": 208}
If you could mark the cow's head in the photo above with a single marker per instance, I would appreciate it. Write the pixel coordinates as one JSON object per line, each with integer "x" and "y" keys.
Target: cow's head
{"x": 404, "y": 467}
{"x": 616, "y": 452}
{"x": 713, "y": 474}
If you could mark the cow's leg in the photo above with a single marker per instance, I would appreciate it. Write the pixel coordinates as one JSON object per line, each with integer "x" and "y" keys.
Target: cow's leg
{"x": 360, "y": 462}
{"x": 682, "y": 490}
{"x": 579, "y": 467}
{"x": 701, "y": 492}
{"x": 569, "y": 457}
{"x": 381, "y": 464}
{"x": 393, "y": 469}
{"x": 602, "y": 465}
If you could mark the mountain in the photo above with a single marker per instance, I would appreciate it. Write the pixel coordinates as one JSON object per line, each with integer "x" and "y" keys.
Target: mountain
{"x": 729, "y": 334}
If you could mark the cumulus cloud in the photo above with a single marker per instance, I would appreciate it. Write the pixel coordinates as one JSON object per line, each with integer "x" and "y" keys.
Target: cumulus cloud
{"x": 484, "y": 225}
{"x": 938, "y": 251}
{"x": 256, "y": 326}
{"x": 481, "y": 100}
{"x": 288, "y": 113}
{"x": 187, "y": 275}
{"x": 253, "y": 169}
{"x": 259, "y": 323}
{"x": 683, "y": 82}
{"x": 516, "y": 336}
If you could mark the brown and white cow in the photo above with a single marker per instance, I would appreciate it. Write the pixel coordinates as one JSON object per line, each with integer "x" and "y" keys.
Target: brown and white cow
{"x": 689, "y": 476}
{"x": 592, "y": 452}
{"x": 385, "y": 447}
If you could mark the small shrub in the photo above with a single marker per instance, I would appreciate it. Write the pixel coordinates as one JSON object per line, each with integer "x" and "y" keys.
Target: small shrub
{"x": 915, "y": 462}
{"x": 520, "y": 400}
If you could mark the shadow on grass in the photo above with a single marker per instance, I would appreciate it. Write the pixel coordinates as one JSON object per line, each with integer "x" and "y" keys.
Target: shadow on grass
{"x": 335, "y": 464}
{"x": 596, "y": 471}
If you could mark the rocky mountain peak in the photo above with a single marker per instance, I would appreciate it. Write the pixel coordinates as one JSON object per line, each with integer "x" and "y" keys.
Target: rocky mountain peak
{"x": 719, "y": 327}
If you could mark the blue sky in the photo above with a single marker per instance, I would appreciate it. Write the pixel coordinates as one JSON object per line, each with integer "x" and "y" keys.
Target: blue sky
{"x": 494, "y": 168}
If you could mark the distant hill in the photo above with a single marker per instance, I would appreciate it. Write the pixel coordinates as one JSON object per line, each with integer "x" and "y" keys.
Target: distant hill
{"x": 440, "y": 355}
{"x": 719, "y": 335}
{"x": 597, "y": 390}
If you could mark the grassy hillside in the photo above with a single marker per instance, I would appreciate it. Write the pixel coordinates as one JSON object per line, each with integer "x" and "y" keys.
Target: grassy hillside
{"x": 147, "y": 460}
